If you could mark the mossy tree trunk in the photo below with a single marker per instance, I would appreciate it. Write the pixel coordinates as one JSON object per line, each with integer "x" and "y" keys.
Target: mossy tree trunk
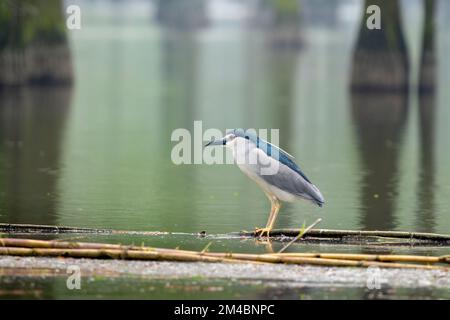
{"x": 380, "y": 60}
{"x": 33, "y": 43}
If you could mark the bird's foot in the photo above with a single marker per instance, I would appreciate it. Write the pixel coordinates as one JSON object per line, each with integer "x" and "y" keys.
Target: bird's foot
{"x": 262, "y": 231}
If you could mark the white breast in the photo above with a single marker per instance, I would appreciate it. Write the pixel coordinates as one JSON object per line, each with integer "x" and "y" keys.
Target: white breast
{"x": 247, "y": 157}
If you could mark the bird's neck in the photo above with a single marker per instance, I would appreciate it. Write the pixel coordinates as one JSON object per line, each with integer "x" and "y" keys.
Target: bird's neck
{"x": 241, "y": 148}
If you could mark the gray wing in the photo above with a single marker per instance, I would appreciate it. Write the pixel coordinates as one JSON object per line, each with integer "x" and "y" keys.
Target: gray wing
{"x": 290, "y": 181}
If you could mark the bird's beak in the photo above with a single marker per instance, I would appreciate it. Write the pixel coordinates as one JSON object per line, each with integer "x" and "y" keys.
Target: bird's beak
{"x": 216, "y": 142}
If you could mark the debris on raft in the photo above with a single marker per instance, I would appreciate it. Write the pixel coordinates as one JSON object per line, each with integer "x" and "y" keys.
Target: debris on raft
{"x": 52, "y": 248}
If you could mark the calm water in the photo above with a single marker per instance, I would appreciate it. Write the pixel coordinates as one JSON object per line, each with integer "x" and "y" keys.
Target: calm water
{"x": 98, "y": 155}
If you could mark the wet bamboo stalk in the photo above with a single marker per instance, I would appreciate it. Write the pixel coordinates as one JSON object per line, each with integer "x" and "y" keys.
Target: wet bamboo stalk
{"x": 189, "y": 257}
{"x": 349, "y": 259}
{"x": 32, "y": 243}
{"x": 334, "y": 262}
{"x": 112, "y": 254}
{"x": 31, "y": 247}
{"x": 375, "y": 257}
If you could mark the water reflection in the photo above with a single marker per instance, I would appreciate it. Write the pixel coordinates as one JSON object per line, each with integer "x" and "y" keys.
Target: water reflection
{"x": 379, "y": 104}
{"x": 426, "y": 185}
{"x": 179, "y": 76}
{"x": 282, "y": 73}
{"x": 379, "y": 123}
{"x": 32, "y": 123}
{"x": 427, "y": 109}
{"x": 180, "y": 53}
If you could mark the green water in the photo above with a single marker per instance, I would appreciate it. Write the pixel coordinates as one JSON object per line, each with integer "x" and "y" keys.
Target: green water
{"x": 141, "y": 288}
{"x": 98, "y": 154}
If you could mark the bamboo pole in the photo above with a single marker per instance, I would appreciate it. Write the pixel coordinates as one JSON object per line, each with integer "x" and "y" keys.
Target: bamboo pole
{"x": 31, "y": 247}
{"x": 32, "y": 243}
{"x": 375, "y": 257}
{"x": 112, "y": 254}
{"x": 188, "y": 257}
{"x": 333, "y": 259}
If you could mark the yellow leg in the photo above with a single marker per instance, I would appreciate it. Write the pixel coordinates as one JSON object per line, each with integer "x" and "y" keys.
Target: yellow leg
{"x": 276, "y": 205}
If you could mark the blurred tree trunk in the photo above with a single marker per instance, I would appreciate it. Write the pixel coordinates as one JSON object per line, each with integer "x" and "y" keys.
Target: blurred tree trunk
{"x": 428, "y": 57}
{"x": 380, "y": 60}
{"x": 33, "y": 43}
{"x": 182, "y": 14}
{"x": 281, "y": 18}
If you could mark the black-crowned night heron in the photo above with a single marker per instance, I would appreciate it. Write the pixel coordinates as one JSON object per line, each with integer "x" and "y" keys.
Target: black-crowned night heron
{"x": 272, "y": 169}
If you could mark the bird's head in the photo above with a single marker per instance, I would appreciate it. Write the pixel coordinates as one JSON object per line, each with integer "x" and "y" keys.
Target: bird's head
{"x": 233, "y": 136}
{"x": 226, "y": 140}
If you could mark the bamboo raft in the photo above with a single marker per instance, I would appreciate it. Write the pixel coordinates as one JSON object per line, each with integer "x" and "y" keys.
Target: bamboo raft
{"x": 53, "y": 248}
{"x": 57, "y": 248}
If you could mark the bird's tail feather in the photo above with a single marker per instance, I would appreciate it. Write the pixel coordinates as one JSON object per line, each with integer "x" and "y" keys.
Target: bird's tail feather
{"x": 317, "y": 196}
